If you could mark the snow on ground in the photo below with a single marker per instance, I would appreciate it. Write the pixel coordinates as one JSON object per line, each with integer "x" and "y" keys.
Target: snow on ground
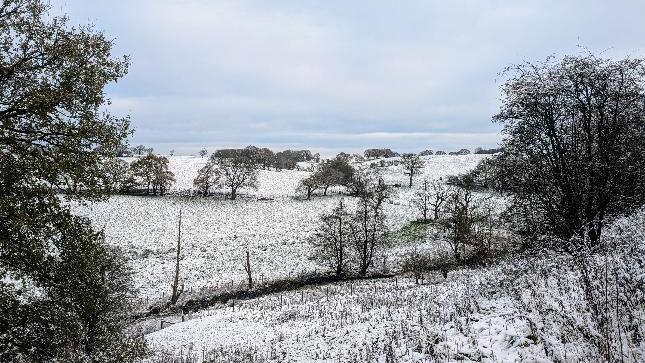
{"x": 216, "y": 232}
{"x": 457, "y": 319}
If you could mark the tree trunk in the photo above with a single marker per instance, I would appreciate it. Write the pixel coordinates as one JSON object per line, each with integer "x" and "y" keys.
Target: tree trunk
{"x": 233, "y": 193}
{"x": 411, "y": 175}
{"x": 247, "y": 268}
{"x": 339, "y": 267}
{"x": 176, "y": 292}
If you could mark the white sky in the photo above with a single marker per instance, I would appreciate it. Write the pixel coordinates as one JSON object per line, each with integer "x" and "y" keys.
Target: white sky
{"x": 337, "y": 75}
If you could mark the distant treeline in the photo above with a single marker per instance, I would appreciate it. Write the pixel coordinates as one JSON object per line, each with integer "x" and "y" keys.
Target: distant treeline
{"x": 288, "y": 159}
{"x": 237, "y": 167}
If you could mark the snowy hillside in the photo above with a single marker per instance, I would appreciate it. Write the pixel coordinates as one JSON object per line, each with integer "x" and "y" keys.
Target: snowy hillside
{"x": 217, "y": 232}
{"x": 488, "y": 314}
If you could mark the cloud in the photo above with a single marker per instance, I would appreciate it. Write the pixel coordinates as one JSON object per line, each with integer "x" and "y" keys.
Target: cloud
{"x": 332, "y": 73}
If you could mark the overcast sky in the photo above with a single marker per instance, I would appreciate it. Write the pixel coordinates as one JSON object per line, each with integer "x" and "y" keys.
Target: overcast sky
{"x": 337, "y": 75}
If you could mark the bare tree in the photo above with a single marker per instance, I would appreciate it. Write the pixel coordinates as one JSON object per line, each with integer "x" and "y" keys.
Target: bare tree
{"x": 422, "y": 199}
{"x": 247, "y": 268}
{"x": 332, "y": 238}
{"x": 368, "y": 230}
{"x": 467, "y": 226}
{"x": 203, "y": 152}
{"x": 207, "y": 177}
{"x": 309, "y": 184}
{"x": 431, "y": 198}
{"x": 176, "y": 290}
{"x": 412, "y": 164}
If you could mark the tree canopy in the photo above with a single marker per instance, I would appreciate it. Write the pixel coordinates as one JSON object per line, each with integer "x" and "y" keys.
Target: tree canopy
{"x": 63, "y": 292}
{"x": 574, "y": 140}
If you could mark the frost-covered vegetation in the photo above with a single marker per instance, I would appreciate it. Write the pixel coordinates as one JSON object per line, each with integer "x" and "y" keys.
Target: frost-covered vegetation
{"x": 270, "y": 222}
{"x": 534, "y": 251}
{"x": 524, "y": 308}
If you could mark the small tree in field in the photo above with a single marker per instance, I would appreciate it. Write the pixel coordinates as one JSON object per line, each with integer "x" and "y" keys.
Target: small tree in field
{"x": 203, "y": 152}
{"x": 152, "y": 172}
{"x": 207, "y": 177}
{"x": 413, "y": 165}
{"x": 336, "y": 171}
{"x": 237, "y": 172}
{"x": 308, "y": 185}
{"x": 574, "y": 136}
{"x": 332, "y": 239}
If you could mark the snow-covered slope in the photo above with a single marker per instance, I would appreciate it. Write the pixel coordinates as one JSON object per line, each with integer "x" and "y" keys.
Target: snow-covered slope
{"x": 216, "y": 232}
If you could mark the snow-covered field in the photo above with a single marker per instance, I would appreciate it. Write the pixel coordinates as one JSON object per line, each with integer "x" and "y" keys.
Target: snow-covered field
{"x": 518, "y": 310}
{"x": 389, "y": 320}
{"x": 270, "y": 222}
{"x": 521, "y": 309}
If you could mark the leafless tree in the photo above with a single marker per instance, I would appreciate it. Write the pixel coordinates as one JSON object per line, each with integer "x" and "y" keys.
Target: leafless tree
{"x": 332, "y": 238}
{"x": 208, "y": 177}
{"x": 368, "y": 230}
{"x": 431, "y": 198}
{"x": 203, "y": 152}
{"x": 412, "y": 164}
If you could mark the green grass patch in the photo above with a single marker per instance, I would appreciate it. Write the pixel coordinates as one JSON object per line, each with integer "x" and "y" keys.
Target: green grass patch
{"x": 411, "y": 232}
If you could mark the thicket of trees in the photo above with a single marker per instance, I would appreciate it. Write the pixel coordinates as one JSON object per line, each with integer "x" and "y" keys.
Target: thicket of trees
{"x": 125, "y": 151}
{"x": 484, "y": 176}
{"x": 349, "y": 238}
{"x": 63, "y": 292}
{"x": 379, "y": 153}
{"x": 331, "y": 172}
{"x": 266, "y": 158}
{"x": 460, "y": 152}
